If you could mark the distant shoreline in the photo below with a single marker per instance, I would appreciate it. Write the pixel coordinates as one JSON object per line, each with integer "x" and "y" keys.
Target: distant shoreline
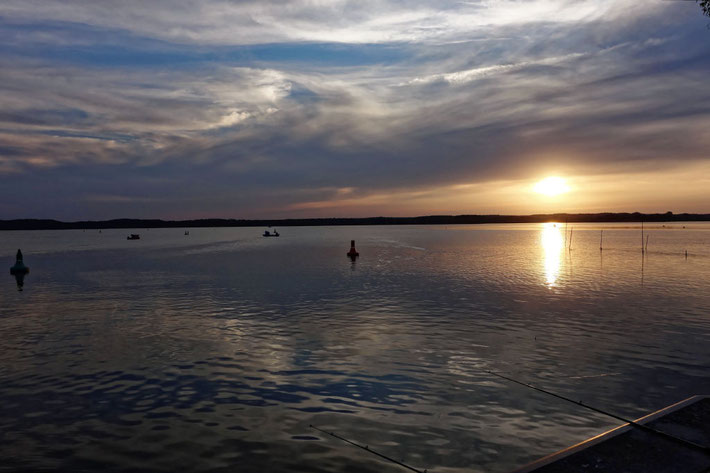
{"x": 45, "y": 224}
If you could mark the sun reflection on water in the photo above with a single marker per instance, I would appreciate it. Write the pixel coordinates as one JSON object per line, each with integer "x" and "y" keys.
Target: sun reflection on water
{"x": 552, "y": 245}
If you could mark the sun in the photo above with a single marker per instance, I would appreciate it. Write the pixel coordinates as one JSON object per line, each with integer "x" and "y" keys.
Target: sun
{"x": 551, "y": 186}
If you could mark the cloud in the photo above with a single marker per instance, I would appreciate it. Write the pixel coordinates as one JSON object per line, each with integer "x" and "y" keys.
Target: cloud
{"x": 348, "y": 21}
{"x": 456, "y": 93}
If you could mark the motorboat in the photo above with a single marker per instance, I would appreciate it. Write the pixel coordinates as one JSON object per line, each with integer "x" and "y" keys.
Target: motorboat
{"x": 134, "y": 236}
{"x": 271, "y": 234}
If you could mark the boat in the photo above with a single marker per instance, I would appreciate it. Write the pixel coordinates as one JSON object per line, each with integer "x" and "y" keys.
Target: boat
{"x": 186, "y": 232}
{"x": 269, "y": 234}
{"x": 627, "y": 447}
{"x": 133, "y": 236}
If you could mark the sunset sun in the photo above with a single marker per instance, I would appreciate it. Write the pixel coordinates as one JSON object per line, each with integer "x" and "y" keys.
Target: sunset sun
{"x": 551, "y": 186}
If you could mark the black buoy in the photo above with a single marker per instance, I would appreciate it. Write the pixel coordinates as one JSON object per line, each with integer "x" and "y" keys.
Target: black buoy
{"x": 19, "y": 270}
{"x": 352, "y": 254}
{"x": 19, "y": 267}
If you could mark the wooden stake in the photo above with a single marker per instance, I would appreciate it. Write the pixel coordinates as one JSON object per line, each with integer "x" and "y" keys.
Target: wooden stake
{"x": 601, "y": 240}
{"x": 565, "y": 233}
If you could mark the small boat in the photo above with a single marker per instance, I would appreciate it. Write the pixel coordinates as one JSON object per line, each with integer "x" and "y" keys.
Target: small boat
{"x": 133, "y": 236}
{"x": 269, "y": 234}
{"x": 186, "y": 232}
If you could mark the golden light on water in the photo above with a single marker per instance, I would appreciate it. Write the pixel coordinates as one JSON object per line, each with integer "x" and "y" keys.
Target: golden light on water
{"x": 551, "y": 186}
{"x": 552, "y": 247}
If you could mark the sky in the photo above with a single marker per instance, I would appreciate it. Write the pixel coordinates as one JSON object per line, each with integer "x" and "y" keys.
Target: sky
{"x": 312, "y": 108}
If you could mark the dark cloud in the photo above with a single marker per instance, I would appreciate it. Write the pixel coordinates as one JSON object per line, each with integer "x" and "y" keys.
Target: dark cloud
{"x": 193, "y": 122}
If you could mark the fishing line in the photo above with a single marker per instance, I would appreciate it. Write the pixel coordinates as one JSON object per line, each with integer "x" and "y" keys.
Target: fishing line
{"x": 368, "y": 449}
{"x": 646, "y": 428}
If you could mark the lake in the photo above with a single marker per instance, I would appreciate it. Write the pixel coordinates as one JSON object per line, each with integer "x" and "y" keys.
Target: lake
{"x": 215, "y": 351}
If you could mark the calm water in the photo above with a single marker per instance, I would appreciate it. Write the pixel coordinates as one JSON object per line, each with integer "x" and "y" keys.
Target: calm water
{"x": 215, "y": 351}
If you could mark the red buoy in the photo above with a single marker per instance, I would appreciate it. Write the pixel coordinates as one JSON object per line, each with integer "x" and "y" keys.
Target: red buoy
{"x": 353, "y": 252}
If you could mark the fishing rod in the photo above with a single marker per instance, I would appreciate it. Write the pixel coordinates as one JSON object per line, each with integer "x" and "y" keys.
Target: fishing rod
{"x": 645, "y": 428}
{"x": 651, "y": 430}
{"x": 368, "y": 449}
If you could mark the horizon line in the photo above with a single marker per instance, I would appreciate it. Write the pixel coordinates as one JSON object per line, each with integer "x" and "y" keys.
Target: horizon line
{"x": 462, "y": 219}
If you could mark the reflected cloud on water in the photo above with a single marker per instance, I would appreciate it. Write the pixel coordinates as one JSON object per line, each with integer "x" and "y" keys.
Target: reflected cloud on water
{"x": 173, "y": 359}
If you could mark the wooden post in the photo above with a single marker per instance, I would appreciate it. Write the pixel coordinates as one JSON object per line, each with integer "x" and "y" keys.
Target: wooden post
{"x": 601, "y": 240}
